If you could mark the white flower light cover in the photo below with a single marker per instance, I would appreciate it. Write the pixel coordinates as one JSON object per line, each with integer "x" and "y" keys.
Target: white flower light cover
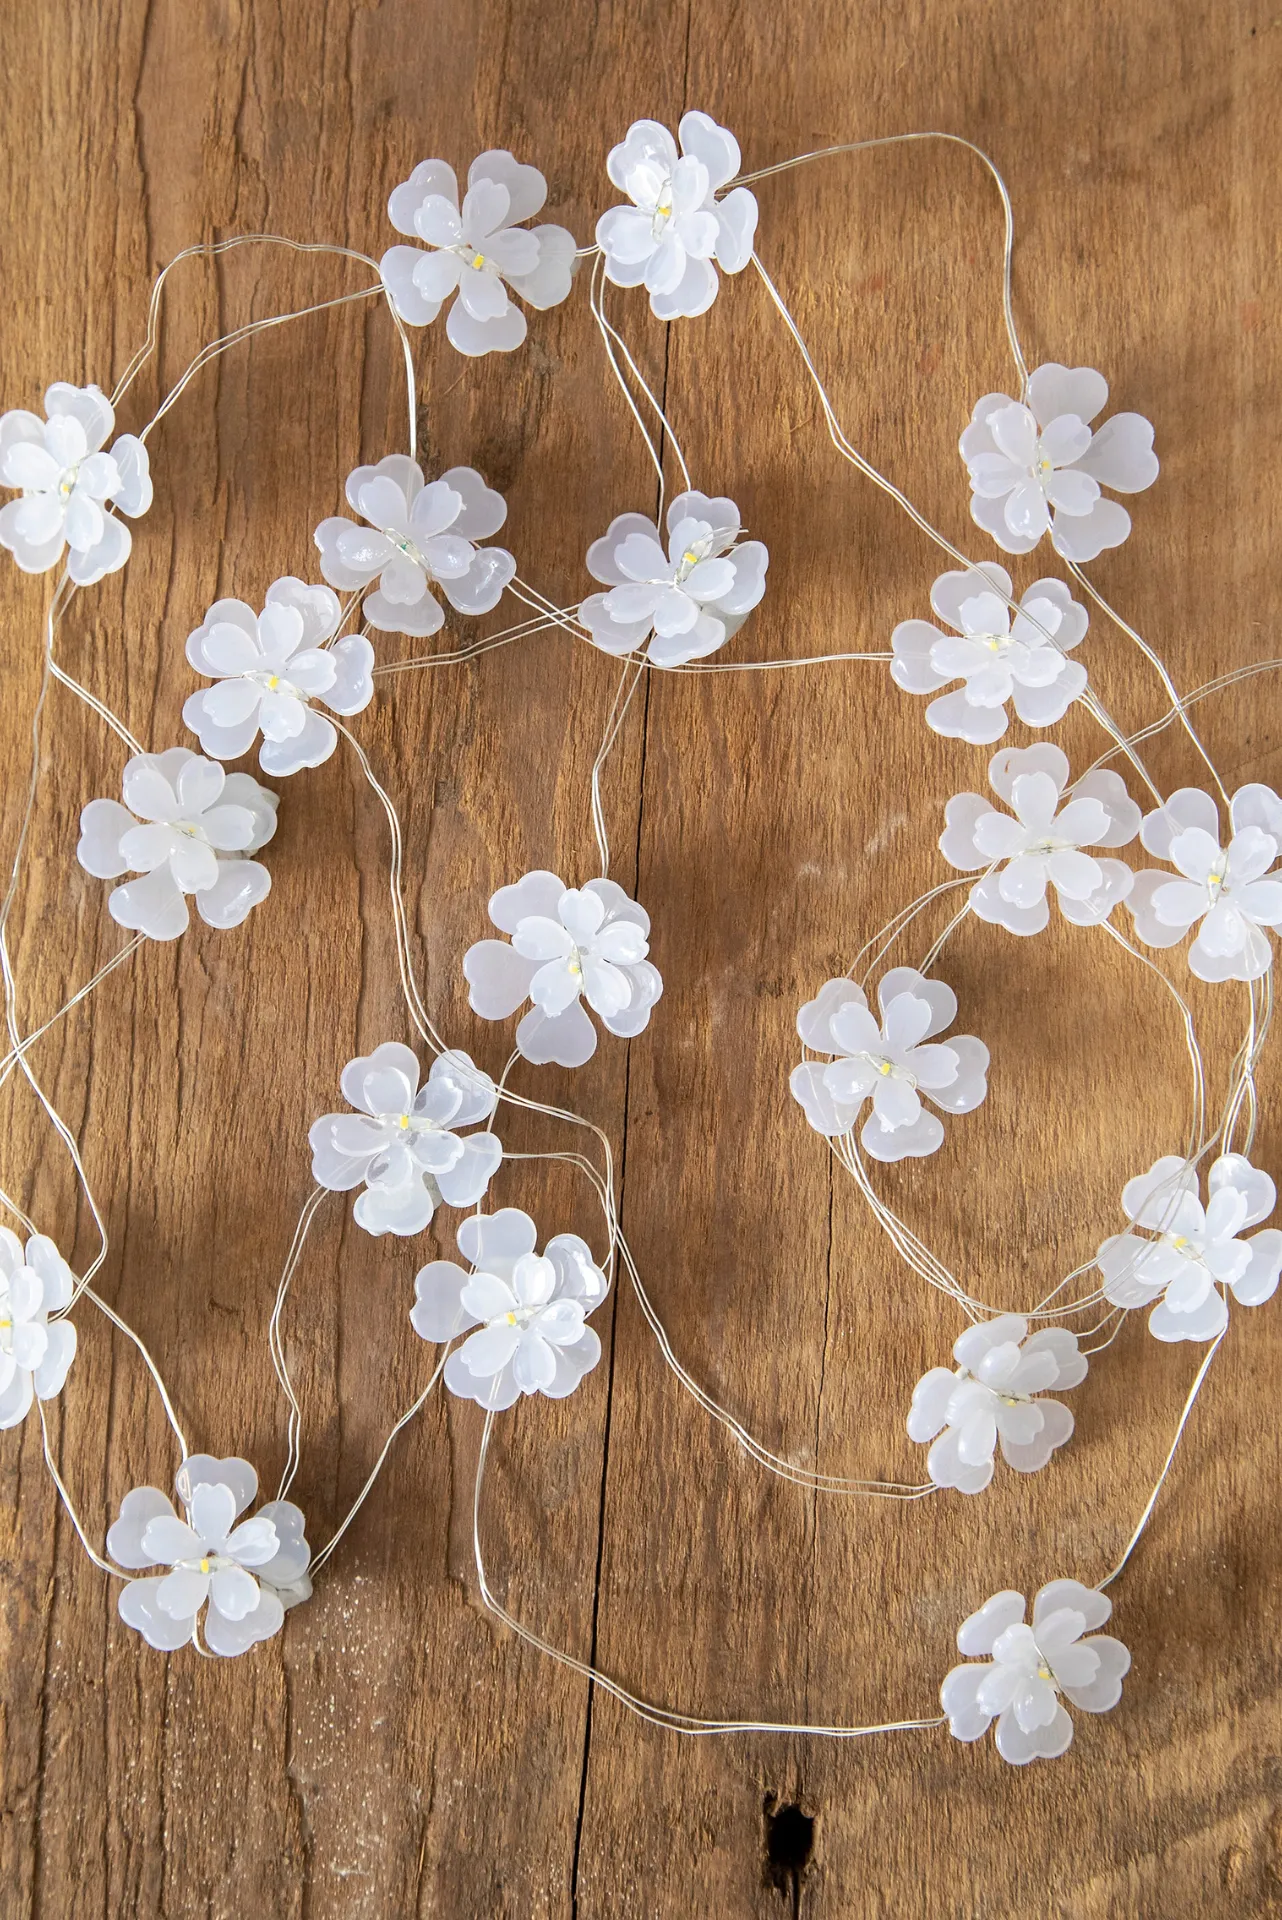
{"x": 1186, "y": 1250}
{"x": 996, "y": 1394}
{"x": 1035, "y": 466}
{"x": 568, "y": 945}
{"x": 891, "y": 1064}
{"x": 36, "y": 1352}
{"x": 481, "y": 250}
{"x": 269, "y": 668}
{"x": 1031, "y": 1669}
{"x": 1042, "y": 843}
{"x": 424, "y": 538}
{"x": 401, "y": 1144}
{"x": 249, "y": 1574}
{"x": 67, "y": 484}
{"x": 676, "y": 227}
{"x": 997, "y": 654}
{"x": 530, "y": 1310}
{"x": 1231, "y": 894}
{"x": 192, "y": 824}
{"x": 875, "y": 1078}
{"x": 685, "y": 603}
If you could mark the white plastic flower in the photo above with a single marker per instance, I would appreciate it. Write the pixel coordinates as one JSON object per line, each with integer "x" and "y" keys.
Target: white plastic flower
{"x": 195, "y": 824}
{"x": 478, "y": 250}
{"x": 248, "y": 1574}
{"x": 995, "y": 658}
{"x": 529, "y": 1310}
{"x": 67, "y": 482}
{"x": 690, "y": 600}
{"x": 1230, "y": 894}
{"x": 668, "y": 239}
{"x": 1194, "y": 1252}
{"x": 890, "y": 1064}
{"x": 403, "y": 1144}
{"x": 1032, "y": 1667}
{"x": 269, "y": 668}
{"x": 991, "y": 1396}
{"x": 424, "y": 537}
{"x": 1039, "y": 843}
{"x": 566, "y": 942}
{"x": 1039, "y": 467}
{"x": 35, "y": 1352}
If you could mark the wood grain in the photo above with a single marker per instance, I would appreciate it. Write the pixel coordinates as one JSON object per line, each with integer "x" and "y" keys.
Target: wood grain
{"x": 394, "y": 1753}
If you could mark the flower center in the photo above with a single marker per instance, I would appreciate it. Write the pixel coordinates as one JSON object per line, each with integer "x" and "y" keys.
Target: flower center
{"x": 1049, "y": 843}
{"x": 1217, "y": 879}
{"x": 416, "y": 1123}
{"x": 1043, "y": 1669}
{"x": 662, "y": 210}
{"x": 1181, "y": 1243}
{"x": 276, "y": 683}
{"x": 689, "y": 561}
{"x": 888, "y": 1069}
{"x": 470, "y": 258}
{"x": 206, "y": 1563}
{"x": 67, "y": 484}
{"x": 1006, "y": 1399}
{"x": 405, "y": 545}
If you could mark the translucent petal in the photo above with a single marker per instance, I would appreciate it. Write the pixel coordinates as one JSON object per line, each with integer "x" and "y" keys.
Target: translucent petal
{"x": 938, "y": 995}
{"x": 138, "y": 1608}
{"x": 1095, "y": 1607}
{"x": 240, "y": 886}
{"x": 438, "y": 1313}
{"x": 929, "y": 1410}
{"x": 490, "y": 1349}
{"x": 464, "y": 1183}
{"x": 1121, "y": 454}
{"x": 498, "y": 978}
{"x": 568, "y": 1039}
{"x": 889, "y": 1144}
{"x": 153, "y": 905}
{"x": 429, "y": 177}
{"x": 1055, "y": 390}
{"x": 979, "y": 1632}
{"x": 826, "y": 1114}
{"x": 736, "y": 217}
{"x": 489, "y": 572}
{"x": 693, "y": 295}
{"x": 398, "y": 269}
{"x": 496, "y": 1241}
{"x": 814, "y": 1017}
{"x": 481, "y": 511}
{"x": 103, "y": 824}
{"x": 473, "y": 337}
{"x": 1086, "y": 537}
{"x": 124, "y": 1538}
{"x": 533, "y": 1363}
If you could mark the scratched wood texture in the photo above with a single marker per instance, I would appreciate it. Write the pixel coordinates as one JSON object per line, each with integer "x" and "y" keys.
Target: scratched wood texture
{"x": 393, "y": 1753}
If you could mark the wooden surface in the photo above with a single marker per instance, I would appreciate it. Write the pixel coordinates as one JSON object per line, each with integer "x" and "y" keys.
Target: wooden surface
{"x": 393, "y": 1753}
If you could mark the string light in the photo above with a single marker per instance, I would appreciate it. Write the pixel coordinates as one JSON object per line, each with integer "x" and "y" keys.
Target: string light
{"x": 515, "y": 1322}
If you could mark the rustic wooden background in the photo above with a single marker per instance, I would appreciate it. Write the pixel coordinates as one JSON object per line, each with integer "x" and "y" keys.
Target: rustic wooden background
{"x": 394, "y": 1753}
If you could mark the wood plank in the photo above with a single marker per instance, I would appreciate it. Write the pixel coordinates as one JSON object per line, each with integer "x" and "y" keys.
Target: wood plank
{"x": 394, "y": 1752}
